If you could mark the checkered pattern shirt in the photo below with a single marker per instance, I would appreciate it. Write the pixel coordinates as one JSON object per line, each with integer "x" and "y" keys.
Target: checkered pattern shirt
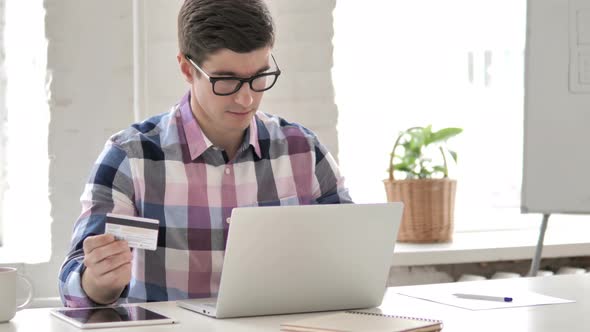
{"x": 165, "y": 168}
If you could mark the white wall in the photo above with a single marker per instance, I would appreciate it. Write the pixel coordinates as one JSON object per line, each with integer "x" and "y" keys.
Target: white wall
{"x": 91, "y": 61}
{"x": 160, "y": 83}
{"x": 303, "y": 50}
{"x": 304, "y": 92}
{"x": 3, "y": 112}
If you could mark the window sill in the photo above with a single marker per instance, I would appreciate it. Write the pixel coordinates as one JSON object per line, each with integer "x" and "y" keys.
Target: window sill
{"x": 567, "y": 239}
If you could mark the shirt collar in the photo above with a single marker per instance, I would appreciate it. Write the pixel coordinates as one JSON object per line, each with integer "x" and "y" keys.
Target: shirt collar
{"x": 196, "y": 140}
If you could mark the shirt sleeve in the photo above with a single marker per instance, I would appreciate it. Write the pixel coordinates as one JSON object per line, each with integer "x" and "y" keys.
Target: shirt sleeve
{"x": 328, "y": 186}
{"x": 109, "y": 189}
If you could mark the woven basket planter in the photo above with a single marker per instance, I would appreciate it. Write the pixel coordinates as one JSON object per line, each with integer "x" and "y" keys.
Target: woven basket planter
{"x": 428, "y": 208}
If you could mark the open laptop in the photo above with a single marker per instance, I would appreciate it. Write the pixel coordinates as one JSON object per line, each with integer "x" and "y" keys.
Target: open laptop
{"x": 290, "y": 259}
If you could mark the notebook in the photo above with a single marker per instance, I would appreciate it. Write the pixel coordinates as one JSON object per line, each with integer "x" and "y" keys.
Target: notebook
{"x": 355, "y": 321}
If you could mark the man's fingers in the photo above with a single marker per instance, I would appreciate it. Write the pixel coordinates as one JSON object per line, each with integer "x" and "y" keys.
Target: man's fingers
{"x": 120, "y": 276}
{"x": 97, "y": 241}
{"x": 114, "y": 279}
{"x": 112, "y": 263}
{"x": 106, "y": 251}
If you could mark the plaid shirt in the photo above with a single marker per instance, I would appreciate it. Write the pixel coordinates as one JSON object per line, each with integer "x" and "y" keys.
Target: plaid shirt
{"x": 165, "y": 168}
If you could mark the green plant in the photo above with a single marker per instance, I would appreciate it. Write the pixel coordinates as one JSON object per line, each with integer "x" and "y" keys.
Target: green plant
{"x": 414, "y": 159}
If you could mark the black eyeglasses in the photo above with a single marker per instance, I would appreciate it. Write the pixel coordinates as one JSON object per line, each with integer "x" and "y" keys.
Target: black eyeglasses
{"x": 225, "y": 86}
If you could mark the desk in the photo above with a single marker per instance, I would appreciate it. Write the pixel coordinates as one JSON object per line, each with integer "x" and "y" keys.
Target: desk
{"x": 560, "y": 317}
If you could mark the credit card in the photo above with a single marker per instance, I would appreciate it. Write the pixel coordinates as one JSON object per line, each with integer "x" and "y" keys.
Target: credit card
{"x": 141, "y": 233}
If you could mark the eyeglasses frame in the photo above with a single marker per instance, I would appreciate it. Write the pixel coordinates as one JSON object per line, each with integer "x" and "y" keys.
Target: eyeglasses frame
{"x": 249, "y": 80}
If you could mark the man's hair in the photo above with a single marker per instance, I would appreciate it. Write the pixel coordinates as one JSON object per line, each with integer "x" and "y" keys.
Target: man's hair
{"x": 206, "y": 26}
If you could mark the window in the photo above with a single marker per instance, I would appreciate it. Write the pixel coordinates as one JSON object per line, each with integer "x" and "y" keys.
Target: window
{"x": 458, "y": 63}
{"x": 25, "y": 208}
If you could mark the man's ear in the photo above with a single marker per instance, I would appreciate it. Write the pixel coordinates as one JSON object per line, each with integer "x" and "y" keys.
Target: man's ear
{"x": 185, "y": 68}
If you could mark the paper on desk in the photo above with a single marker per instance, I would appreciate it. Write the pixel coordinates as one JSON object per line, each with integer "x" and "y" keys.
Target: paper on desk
{"x": 519, "y": 299}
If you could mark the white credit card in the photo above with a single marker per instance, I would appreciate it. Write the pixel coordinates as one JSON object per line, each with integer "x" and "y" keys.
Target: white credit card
{"x": 141, "y": 233}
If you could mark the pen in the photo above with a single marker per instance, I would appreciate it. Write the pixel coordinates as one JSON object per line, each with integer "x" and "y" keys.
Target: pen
{"x": 483, "y": 297}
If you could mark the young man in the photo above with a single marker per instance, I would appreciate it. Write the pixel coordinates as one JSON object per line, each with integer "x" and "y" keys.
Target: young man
{"x": 190, "y": 167}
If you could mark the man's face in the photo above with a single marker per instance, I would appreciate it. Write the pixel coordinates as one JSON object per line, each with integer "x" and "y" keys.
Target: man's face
{"x": 219, "y": 115}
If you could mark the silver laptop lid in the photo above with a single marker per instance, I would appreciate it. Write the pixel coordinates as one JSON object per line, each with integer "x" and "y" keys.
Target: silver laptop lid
{"x": 307, "y": 258}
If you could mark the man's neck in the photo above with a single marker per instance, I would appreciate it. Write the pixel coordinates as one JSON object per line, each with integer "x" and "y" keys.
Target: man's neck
{"x": 229, "y": 141}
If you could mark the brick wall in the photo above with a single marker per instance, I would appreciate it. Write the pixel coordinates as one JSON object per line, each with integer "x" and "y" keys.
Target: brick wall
{"x": 160, "y": 83}
{"x": 93, "y": 68}
{"x": 303, "y": 49}
{"x": 90, "y": 62}
{"x": 305, "y": 93}
{"x": 89, "y": 59}
{"x": 3, "y": 113}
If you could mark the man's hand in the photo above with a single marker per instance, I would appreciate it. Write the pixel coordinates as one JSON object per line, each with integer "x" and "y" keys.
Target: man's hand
{"x": 108, "y": 268}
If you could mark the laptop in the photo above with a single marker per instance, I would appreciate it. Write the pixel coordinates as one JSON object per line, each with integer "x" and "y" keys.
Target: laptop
{"x": 293, "y": 259}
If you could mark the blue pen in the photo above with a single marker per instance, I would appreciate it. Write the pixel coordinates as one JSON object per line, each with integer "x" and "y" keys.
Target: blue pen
{"x": 483, "y": 297}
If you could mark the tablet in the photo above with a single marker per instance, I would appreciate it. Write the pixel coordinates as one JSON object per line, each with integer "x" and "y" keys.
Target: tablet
{"x": 92, "y": 318}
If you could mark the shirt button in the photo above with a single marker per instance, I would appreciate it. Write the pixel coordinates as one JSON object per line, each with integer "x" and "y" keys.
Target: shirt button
{"x": 227, "y": 171}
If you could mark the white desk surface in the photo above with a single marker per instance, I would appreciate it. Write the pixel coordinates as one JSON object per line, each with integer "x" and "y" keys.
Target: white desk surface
{"x": 559, "y": 317}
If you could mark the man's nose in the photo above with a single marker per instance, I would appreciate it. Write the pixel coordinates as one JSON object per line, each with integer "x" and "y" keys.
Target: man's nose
{"x": 244, "y": 96}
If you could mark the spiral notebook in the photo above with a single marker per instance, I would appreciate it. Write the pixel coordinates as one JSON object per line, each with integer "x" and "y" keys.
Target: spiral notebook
{"x": 356, "y": 321}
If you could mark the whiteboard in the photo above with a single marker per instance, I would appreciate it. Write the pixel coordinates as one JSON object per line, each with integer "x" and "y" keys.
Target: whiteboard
{"x": 556, "y": 164}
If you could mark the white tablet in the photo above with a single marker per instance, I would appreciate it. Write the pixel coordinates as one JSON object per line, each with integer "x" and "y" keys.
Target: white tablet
{"x": 93, "y": 318}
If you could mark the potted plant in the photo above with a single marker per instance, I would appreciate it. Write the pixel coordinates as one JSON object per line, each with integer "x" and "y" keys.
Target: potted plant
{"x": 421, "y": 156}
